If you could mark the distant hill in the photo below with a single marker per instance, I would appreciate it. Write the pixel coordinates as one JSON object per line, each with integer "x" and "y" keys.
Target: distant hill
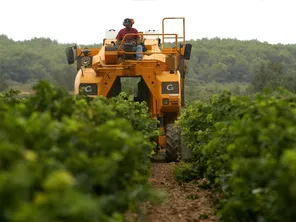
{"x": 219, "y": 60}
{"x": 229, "y": 60}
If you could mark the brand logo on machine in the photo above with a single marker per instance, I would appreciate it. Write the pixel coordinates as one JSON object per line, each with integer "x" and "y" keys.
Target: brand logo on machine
{"x": 89, "y": 88}
{"x": 170, "y": 88}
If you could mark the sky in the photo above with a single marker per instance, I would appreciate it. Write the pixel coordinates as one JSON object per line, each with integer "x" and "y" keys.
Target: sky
{"x": 85, "y": 21}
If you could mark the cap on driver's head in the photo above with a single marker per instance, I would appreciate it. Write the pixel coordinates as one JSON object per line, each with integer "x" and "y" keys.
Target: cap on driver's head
{"x": 127, "y": 21}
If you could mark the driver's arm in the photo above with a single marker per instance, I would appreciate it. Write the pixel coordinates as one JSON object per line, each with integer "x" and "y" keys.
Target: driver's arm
{"x": 138, "y": 41}
{"x": 119, "y": 38}
{"x": 118, "y": 42}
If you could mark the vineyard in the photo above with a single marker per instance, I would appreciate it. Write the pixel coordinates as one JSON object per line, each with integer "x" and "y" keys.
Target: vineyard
{"x": 245, "y": 148}
{"x": 66, "y": 158}
{"x": 75, "y": 158}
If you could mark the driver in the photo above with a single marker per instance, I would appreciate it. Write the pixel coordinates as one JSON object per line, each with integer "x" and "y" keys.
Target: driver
{"x": 135, "y": 39}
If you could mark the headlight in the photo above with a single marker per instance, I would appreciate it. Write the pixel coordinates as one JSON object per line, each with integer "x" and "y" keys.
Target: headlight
{"x": 89, "y": 88}
{"x": 85, "y": 61}
{"x": 165, "y": 101}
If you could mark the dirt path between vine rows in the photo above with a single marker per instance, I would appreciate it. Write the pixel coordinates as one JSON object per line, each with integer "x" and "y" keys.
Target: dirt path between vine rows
{"x": 186, "y": 202}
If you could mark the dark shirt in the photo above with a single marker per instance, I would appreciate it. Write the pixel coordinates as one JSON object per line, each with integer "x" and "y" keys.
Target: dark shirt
{"x": 128, "y": 38}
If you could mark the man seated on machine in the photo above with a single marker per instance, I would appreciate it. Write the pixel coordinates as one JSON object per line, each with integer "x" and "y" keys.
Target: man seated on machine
{"x": 134, "y": 39}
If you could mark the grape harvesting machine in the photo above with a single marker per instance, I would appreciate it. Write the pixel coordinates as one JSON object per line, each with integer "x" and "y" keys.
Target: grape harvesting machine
{"x": 161, "y": 71}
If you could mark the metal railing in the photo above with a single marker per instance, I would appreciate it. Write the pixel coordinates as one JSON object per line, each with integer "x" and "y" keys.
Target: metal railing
{"x": 166, "y": 35}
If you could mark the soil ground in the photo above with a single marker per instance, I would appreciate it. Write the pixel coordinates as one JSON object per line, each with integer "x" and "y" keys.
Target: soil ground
{"x": 186, "y": 202}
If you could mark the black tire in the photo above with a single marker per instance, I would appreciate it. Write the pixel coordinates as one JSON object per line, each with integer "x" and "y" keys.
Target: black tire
{"x": 172, "y": 151}
{"x": 186, "y": 153}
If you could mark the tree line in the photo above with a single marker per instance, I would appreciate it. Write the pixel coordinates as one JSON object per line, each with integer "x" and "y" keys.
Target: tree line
{"x": 212, "y": 60}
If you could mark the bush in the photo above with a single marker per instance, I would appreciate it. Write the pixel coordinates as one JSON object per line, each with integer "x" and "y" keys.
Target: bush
{"x": 66, "y": 158}
{"x": 246, "y": 147}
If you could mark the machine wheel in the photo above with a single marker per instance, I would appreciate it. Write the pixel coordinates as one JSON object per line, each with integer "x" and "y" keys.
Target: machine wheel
{"x": 172, "y": 151}
{"x": 186, "y": 153}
